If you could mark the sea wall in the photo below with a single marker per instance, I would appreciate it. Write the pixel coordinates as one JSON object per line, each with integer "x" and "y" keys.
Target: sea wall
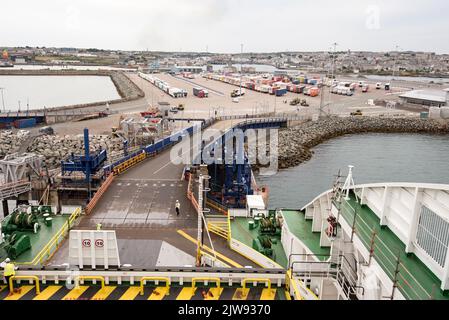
{"x": 295, "y": 143}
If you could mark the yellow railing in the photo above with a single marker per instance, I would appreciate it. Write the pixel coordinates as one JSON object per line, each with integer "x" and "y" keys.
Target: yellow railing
{"x": 195, "y": 280}
{"x": 36, "y": 280}
{"x": 91, "y": 278}
{"x": 257, "y": 280}
{"x": 54, "y": 242}
{"x": 129, "y": 163}
{"x": 143, "y": 279}
{"x": 290, "y": 283}
{"x": 229, "y": 227}
{"x": 217, "y": 207}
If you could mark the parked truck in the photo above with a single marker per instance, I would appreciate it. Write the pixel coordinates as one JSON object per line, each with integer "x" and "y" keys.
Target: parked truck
{"x": 238, "y": 93}
{"x": 200, "y": 92}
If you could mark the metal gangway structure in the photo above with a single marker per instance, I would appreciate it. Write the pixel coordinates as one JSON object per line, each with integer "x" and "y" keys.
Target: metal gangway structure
{"x": 17, "y": 171}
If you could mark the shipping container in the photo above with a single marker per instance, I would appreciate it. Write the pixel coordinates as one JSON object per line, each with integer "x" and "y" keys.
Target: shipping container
{"x": 280, "y": 92}
{"x": 24, "y": 123}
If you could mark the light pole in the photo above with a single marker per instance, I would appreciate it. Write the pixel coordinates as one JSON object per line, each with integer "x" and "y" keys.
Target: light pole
{"x": 241, "y": 69}
{"x": 332, "y": 72}
{"x": 3, "y": 99}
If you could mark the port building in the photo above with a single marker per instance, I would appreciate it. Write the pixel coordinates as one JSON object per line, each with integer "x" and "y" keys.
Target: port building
{"x": 430, "y": 98}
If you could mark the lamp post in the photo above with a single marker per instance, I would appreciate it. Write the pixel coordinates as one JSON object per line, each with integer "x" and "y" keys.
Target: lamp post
{"x": 3, "y": 99}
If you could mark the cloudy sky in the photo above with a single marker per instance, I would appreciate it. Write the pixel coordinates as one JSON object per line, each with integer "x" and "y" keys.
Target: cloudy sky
{"x": 222, "y": 25}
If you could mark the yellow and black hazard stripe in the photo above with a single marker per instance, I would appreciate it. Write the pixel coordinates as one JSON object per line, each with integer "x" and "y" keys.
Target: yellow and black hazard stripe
{"x": 123, "y": 292}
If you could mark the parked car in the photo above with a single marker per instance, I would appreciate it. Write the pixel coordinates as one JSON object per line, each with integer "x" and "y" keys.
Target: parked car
{"x": 47, "y": 130}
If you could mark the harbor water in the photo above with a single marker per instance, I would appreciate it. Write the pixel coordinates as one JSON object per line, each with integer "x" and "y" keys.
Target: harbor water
{"x": 376, "y": 157}
{"x": 54, "y": 91}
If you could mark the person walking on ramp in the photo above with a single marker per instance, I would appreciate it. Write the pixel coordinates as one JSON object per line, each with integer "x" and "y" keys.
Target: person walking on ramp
{"x": 177, "y": 206}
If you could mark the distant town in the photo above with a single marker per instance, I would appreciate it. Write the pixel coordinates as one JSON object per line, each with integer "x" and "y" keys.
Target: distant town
{"x": 400, "y": 63}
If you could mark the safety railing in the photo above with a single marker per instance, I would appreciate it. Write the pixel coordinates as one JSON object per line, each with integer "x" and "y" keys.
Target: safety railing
{"x": 390, "y": 261}
{"x": 122, "y": 167}
{"x": 92, "y": 278}
{"x": 300, "y": 291}
{"x": 143, "y": 280}
{"x": 104, "y": 187}
{"x": 217, "y": 206}
{"x": 36, "y": 281}
{"x": 50, "y": 248}
{"x": 217, "y": 281}
{"x": 256, "y": 281}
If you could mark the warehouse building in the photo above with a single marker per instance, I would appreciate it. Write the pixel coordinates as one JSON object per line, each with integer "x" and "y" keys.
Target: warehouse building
{"x": 191, "y": 69}
{"x": 429, "y": 98}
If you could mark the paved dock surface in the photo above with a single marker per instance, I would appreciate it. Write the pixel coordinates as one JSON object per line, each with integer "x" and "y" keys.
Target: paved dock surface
{"x": 140, "y": 204}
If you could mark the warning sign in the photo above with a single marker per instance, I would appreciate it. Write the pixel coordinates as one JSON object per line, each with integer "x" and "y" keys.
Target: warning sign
{"x": 99, "y": 243}
{"x": 86, "y": 242}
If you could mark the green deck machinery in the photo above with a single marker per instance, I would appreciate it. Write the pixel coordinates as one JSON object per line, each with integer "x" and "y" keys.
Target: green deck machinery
{"x": 15, "y": 228}
{"x": 15, "y": 244}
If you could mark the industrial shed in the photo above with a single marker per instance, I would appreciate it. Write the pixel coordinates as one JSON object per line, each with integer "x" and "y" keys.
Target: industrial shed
{"x": 430, "y": 98}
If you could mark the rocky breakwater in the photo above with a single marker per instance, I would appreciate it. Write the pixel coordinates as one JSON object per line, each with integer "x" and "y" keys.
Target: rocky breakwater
{"x": 57, "y": 148}
{"x": 295, "y": 143}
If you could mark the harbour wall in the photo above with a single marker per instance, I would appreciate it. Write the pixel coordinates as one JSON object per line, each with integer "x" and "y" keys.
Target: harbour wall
{"x": 295, "y": 143}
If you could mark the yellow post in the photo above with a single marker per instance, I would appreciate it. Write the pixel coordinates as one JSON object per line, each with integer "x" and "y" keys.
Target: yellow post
{"x": 143, "y": 279}
{"x": 198, "y": 254}
{"x": 267, "y": 281}
{"x": 93, "y": 278}
{"x": 36, "y": 280}
{"x": 195, "y": 280}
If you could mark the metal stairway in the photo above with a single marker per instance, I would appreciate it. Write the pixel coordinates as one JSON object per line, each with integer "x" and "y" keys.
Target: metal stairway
{"x": 218, "y": 225}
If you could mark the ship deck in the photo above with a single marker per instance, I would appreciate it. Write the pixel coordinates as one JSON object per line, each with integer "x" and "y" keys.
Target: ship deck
{"x": 40, "y": 240}
{"x": 415, "y": 280}
{"x": 132, "y": 292}
{"x": 240, "y": 231}
{"x": 302, "y": 229}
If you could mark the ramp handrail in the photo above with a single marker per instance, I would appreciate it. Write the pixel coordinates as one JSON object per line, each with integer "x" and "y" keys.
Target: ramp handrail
{"x": 195, "y": 280}
{"x": 77, "y": 279}
{"x": 143, "y": 279}
{"x": 36, "y": 280}
{"x": 267, "y": 281}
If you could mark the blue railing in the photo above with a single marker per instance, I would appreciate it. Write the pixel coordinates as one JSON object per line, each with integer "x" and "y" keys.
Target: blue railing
{"x": 161, "y": 145}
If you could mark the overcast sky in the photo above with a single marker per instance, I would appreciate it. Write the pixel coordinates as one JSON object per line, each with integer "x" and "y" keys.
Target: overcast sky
{"x": 222, "y": 25}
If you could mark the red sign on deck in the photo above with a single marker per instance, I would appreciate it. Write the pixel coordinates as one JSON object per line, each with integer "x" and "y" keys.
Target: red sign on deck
{"x": 86, "y": 243}
{"x": 99, "y": 243}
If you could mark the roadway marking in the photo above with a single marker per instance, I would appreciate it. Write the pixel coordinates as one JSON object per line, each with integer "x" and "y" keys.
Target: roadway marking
{"x": 2, "y": 287}
{"x": 268, "y": 294}
{"x": 219, "y": 255}
{"x": 214, "y": 294}
{"x": 103, "y": 293}
{"x": 186, "y": 293}
{"x": 23, "y": 291}
{"x": 170, "y": 162}
{"x": 130, "y": 294}
{"x": 47, "y": 293}
{"x": 241, "y": 294}
{"x": 159, "y": 293}
{"x": 75, "y": 293}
